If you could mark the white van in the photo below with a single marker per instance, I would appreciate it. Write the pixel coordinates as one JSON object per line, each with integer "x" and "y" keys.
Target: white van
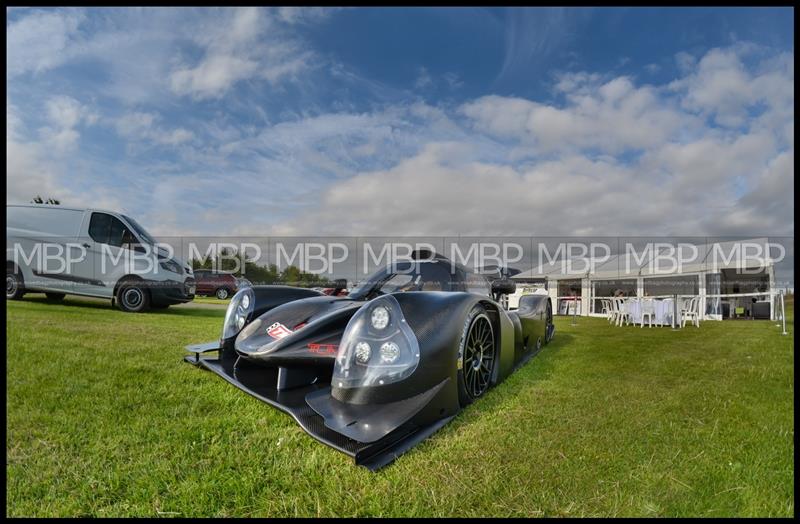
{"x": 61, "y": 250}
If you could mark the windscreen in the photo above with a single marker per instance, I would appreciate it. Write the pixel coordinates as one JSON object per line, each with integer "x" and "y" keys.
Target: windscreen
{"x": 140, "y": 231}
{"x": 408, "y": 276}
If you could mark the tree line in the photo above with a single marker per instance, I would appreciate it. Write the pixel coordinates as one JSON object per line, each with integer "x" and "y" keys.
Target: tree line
{"x": 256, "y": 274}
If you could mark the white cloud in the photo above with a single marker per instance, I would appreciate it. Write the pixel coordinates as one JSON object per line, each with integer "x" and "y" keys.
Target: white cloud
{"x": 424, "y": 79}
{"x": 144, "y": 51}
{"x": 710, "y": 153}
{"x": 769, "y": 203}
{"x": 40, "y": 40}
{"x": 614, "y": 117}
{"x": 65, "y": 111}
{"x": 453, "y": 80}
{"x": 615, "y": 157}
{"x": 65, "y": 114}
{"x": 28, "y": 174}
{"x": 722, "y": 87}
{"x": 431, "y": 194}
{"x": 144, "y": 126}
{"x": 213, "y": 76}
{"x": 685, "y": 61}
{"x": 246, "y": 45}
{"x": 576, "y": 175}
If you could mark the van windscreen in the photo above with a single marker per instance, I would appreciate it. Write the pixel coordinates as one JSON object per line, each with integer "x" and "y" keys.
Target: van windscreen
{"x": 142, "y": 232}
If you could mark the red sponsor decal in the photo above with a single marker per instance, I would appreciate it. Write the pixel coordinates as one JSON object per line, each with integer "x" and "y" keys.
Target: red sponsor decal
{"x": 323, "y": 349}
{"x": 278, "y": 330}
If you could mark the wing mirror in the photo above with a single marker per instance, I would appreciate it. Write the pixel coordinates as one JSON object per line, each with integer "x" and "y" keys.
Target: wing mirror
{"x": 503, "y": 286}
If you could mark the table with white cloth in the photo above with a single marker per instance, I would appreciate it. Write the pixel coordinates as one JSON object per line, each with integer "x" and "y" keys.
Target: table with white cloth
{"x": 663, "y": 309}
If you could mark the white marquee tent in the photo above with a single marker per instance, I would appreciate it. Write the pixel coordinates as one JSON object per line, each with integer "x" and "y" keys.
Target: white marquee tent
{"x": 731, "y": 279}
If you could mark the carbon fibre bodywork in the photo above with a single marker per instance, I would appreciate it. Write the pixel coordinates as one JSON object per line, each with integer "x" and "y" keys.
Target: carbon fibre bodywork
{"x": 287, "y": 353}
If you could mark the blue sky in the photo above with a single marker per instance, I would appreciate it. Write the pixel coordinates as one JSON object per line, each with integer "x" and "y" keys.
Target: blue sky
{"x": 408, "y": 121}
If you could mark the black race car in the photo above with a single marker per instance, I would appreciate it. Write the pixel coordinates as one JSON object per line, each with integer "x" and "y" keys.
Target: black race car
{"x": 375, "y": 372}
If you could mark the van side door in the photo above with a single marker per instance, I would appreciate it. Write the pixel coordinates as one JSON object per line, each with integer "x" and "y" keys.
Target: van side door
{"x": 85, "y": 281}
{"x": 107, "y": 238}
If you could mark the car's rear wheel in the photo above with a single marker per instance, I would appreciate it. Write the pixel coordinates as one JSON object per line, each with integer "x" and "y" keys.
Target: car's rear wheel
{"x": 55, "y": 297}
{"x": 15, "y": 286}
{"x": 477, "y": 356}
{"x": 222, "y": 293}
{"x": 132, "y": 297}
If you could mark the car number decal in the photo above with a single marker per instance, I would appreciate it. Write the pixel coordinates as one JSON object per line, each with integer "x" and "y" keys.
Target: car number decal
{"x": 278, "y": 330}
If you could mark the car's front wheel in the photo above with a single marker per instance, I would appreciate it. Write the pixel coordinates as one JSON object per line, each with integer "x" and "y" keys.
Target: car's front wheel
{"x": 15, "y": 286}
{"x": 132, "y": 297}
{"x": 477, "y": 356}
{"x": 222, "y": 293}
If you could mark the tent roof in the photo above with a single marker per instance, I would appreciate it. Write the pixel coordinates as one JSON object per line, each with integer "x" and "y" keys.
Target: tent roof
{"x": 657, "y": 260}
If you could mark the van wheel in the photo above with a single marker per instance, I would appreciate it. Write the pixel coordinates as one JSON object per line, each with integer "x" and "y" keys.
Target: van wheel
{"x": 15, "y": 286}
{"x": 222, "y": 293}
{"x": 132, "y": 297}
{"x": 55, "y": 297}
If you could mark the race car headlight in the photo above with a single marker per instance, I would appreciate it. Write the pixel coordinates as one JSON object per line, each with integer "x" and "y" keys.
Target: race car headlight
{"x": 377, "y": 348}
{"x": 363, "y": 352}
{"x": 379, "y": 317}
{"x": 239, "y": 310}
{"x": 389, "y": 352}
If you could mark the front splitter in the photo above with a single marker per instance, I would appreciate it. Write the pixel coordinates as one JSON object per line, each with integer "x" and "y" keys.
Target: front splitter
{"x": 261, "y": 382}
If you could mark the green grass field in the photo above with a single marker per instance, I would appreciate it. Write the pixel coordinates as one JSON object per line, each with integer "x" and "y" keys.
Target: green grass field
{"x": 210, "y": 300}
{"x": 104, "y": 419}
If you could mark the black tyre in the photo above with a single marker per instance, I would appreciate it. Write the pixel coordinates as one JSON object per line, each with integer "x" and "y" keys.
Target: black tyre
{"x": 222, "y": 293}
{"x": 132, "y": 297}
{"x": 548, "y": 331}
{"x": 15, "y": 285}
{"x": 477, "y": 356}
{"x": 55, "y": 297}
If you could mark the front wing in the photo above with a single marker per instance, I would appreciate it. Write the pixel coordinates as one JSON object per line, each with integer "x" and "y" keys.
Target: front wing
{"x": 373, "y": 449}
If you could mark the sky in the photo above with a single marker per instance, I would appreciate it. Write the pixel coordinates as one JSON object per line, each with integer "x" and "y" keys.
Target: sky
{"x": 424, "y": 121}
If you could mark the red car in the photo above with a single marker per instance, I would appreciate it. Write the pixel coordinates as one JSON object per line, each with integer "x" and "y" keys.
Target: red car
{"x": 339, "y": 289}
{"x": 221, "y": 285}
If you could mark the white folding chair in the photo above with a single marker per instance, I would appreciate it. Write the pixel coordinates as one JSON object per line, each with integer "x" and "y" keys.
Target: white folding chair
{"x": 603, "y": 306}
{"x": 630, "y": 306}
{"x": 612, "y": 311}
{"x": 690, "y": 312}
{"x": 649, "y": 311}
{"x": 622, "y": 311}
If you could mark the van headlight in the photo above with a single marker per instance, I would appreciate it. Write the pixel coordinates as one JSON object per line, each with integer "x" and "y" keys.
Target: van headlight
{"x": 239, "y": 310}
{"x": 171, "y": 265}
{"x": 378, "y": 347}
